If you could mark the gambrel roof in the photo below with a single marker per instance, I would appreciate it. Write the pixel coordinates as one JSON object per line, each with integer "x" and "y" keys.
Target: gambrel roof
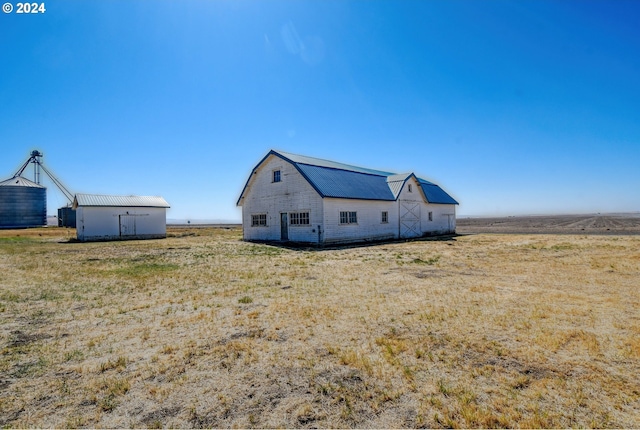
{"x": 338, "y": 180}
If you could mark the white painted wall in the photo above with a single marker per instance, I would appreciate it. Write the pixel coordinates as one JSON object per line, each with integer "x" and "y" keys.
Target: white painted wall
{"x": 103, "y": 223}
{"x": 292, "y": 194}
{"x": 369, "y": 226}
{"x": 444, "y": 218}
{"x": 415, "y": 194}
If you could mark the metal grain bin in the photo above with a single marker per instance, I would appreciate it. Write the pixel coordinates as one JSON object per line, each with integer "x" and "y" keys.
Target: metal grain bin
{"x": 22, "y": 203}
{"x": 66, "y": 217}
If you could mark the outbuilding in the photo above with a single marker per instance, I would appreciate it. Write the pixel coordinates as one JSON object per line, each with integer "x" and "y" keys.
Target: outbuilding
{"x": 291, "y": 197}
{"x": 101, "y": 217}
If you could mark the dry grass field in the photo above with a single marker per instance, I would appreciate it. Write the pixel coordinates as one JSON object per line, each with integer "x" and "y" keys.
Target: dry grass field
{"x": 204, "y": 330}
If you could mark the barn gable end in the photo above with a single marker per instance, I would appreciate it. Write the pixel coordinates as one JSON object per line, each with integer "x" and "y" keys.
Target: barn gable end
{"x": 265, "y": 200}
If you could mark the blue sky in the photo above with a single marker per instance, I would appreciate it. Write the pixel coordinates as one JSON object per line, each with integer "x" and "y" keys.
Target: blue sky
{"x": 513, "y": 107}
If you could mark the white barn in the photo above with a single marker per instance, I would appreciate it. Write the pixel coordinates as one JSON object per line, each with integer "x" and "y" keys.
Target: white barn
{"x": 100, "y": 217}
{"x": 295, "y": 198}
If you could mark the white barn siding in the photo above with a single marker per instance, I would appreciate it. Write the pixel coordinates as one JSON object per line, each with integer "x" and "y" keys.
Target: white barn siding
{"x": 369, "y": 226}
{"x": 96, "y": 223}
{"x": 444, "y": 219}
{"x": 415, "y": 193}
{"x": 292, "y": 194}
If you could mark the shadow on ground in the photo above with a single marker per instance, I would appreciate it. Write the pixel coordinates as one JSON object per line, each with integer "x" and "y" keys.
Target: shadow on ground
{"x": 295, "y": 246}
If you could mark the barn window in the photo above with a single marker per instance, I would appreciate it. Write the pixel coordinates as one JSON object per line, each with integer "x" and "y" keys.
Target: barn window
{"x": 276, "y": 176}
{"x": 410, "y": 188}
{"x": 299, "y": 218}
{"x": 430, "y": 216}
{"x": 385, "y": 217}
{"x": 348, "y": 217}
{"x": 259, "y": 220}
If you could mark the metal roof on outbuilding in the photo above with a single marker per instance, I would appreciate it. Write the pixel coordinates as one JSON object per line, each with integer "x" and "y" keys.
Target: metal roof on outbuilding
{"x": 119, "y": 201}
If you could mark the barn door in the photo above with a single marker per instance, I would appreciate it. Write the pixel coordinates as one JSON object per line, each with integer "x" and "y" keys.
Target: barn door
{"x": 409, "y": 219}
{"x": 284, "y": 227}
{"x": 127, "y": 225}
{"x": 450, "y": 218}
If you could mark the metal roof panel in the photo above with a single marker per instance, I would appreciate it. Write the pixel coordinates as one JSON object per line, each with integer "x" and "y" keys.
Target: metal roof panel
{"x": 119, "y": 201}
{"x": 435, "y": 194}
{"x": 301, "y": 159}
{"x": 395, "y": 187}
{"x": 19, "y": 181}
{"x": 331, "y": 182}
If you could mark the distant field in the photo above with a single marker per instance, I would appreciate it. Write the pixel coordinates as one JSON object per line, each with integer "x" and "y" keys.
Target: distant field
{"x": 610, "y": 224}
{"x": 204, "y": 330}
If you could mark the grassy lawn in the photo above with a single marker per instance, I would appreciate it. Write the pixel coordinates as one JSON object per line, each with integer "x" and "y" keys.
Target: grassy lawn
{"x": 204, "y": 330}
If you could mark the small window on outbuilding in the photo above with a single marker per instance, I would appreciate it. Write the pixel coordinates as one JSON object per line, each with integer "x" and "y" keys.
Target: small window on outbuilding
{"x": 385, "y": 217}
{"x": 276, "y": 176}
{"x": 430, "y": 216}
{"x": 410, "y": 188}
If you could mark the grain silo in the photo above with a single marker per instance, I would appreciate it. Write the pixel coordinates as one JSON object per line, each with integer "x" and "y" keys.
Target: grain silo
{"x": 66, "y": 217}
{"x": 23, "y": 203}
